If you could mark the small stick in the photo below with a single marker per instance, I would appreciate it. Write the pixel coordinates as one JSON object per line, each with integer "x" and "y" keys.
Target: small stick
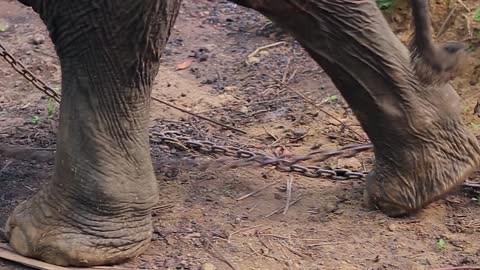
{"x": 444, "y": 24}
{"x": 242, "y": 230}
{"x": 465, "y": 6}
{"x": 280, "y": 208}
{"x": 292, "y": 250}
{"x": 285, "y": 73}
{"x": 288, "y": 98}
{"x": 253, "y": 208}
{"x": 6, "y": 166}
{"x": 256, "y": 192}
{"x": 259, "y": 49}
{"x": 325, "y": 244}
{"x": 275, "y": 236}
{"x": 293, "y": 75}
{"x": 258, "y": 234}
{"x": 219, "y": 256}
{"x": 315, "y": 105}
{"x": 289, "y": 194}
{"x": 199, "y": 116}
{"x": 270, "y": 134}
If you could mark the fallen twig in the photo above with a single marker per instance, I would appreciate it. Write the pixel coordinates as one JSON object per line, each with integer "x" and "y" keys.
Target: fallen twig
{"x": 285, "y": 73}
{"x": 316, "y": 106}
{"x": 289, "y": 194}
{"x": 257, "y": 191}
{"x": 270, "y": 134}
{"x": 442, "y": 29}
{"x": 199, "y": 116}
{"x": 6, "y": 166}
{"x": 283, "y": 207}
{"x": 214, "y": 252}
{"x": 259, "y": 49}
{"x": 464, "y": 6}
{"x": 242, "y": 230}
{"x": 291, "y": 249}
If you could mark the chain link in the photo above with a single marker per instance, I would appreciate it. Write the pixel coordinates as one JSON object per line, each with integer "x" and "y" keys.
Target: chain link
{"x": 20, "y": 68}
{"x": 251, "y": 158}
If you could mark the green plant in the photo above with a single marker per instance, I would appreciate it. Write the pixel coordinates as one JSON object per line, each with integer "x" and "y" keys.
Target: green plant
{"x": 4, "y": 25}
{"x": 442, "y": 244}
{"x": 473, "y": 125}
{"x": 476, "y": 15}
{"x": 386, "y": 4}
{"x": 51, "y": 107}
{"x": 330, "y": 99}
{"x": 36, "y": 119}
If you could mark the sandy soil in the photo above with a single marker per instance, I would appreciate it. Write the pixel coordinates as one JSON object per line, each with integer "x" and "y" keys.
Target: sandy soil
{"x": 199, "y": 219}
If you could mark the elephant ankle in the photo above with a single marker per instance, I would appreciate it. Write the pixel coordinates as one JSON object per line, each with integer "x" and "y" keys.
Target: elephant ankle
{"x": 49, "y": 231}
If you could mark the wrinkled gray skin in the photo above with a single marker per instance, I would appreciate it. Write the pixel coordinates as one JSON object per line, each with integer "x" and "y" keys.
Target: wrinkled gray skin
{"x": 96, "y": 209}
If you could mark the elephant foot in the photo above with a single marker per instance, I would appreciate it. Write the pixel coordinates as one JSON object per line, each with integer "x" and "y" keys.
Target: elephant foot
{"x": 56, "y": 232}
{"x": 412, "y": 178}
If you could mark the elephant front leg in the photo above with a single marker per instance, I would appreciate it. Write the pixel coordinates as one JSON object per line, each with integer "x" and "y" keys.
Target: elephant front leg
{"x": 423, "y": 150}
{"x": 96, "y": 209}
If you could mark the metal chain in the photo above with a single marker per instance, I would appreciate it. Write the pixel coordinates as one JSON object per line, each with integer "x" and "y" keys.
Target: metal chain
{"x": 281, "y": 163}
{"x": 246, "y": 157}
{"x": 20, "y": 68}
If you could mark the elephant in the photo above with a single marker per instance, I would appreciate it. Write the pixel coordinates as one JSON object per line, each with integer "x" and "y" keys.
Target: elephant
{"x": 96, "y": 209}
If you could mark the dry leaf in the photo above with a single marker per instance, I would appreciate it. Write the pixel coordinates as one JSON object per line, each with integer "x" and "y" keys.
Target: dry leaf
{"x": 184, "y": 64}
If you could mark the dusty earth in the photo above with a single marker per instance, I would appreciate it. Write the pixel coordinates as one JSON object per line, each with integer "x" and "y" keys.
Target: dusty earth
{"x": 198, "y": 219}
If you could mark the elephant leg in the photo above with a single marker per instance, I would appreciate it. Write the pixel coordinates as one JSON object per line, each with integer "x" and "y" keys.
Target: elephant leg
{"x": 96, "y": 209}
{"x": 422, "y": 148}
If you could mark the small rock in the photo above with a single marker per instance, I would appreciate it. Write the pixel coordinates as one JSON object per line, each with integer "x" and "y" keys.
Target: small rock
{"x": 299, "y": 132}
{"x": 350, "y": 163}
{"x": 193, "y": 235}
{"x": 244, "y": 109}
{"x": 230, "y": 88}
{"x": 330, "y": 207}
{"x": 391, "y": 227}
{"x": 202, "y": 57}
{"x": 38, "y": 39}
{"x": 207, "y": 266}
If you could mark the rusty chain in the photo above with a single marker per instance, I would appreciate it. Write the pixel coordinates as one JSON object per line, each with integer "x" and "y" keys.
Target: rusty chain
{"x": 283, "y": 163}
{"x": 246, "y": 157}
{"x": 20, "y": 68}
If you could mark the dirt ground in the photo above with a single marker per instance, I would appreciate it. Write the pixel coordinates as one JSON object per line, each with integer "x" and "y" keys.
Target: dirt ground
{"x": 198, "y": 219}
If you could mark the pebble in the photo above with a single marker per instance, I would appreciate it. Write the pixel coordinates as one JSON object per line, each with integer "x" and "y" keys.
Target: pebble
{"x": 38, "y": 39}
{"x": 330, "y": 207}
{"x": 244, "y": 109}
{"x": 207, "y": 266}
